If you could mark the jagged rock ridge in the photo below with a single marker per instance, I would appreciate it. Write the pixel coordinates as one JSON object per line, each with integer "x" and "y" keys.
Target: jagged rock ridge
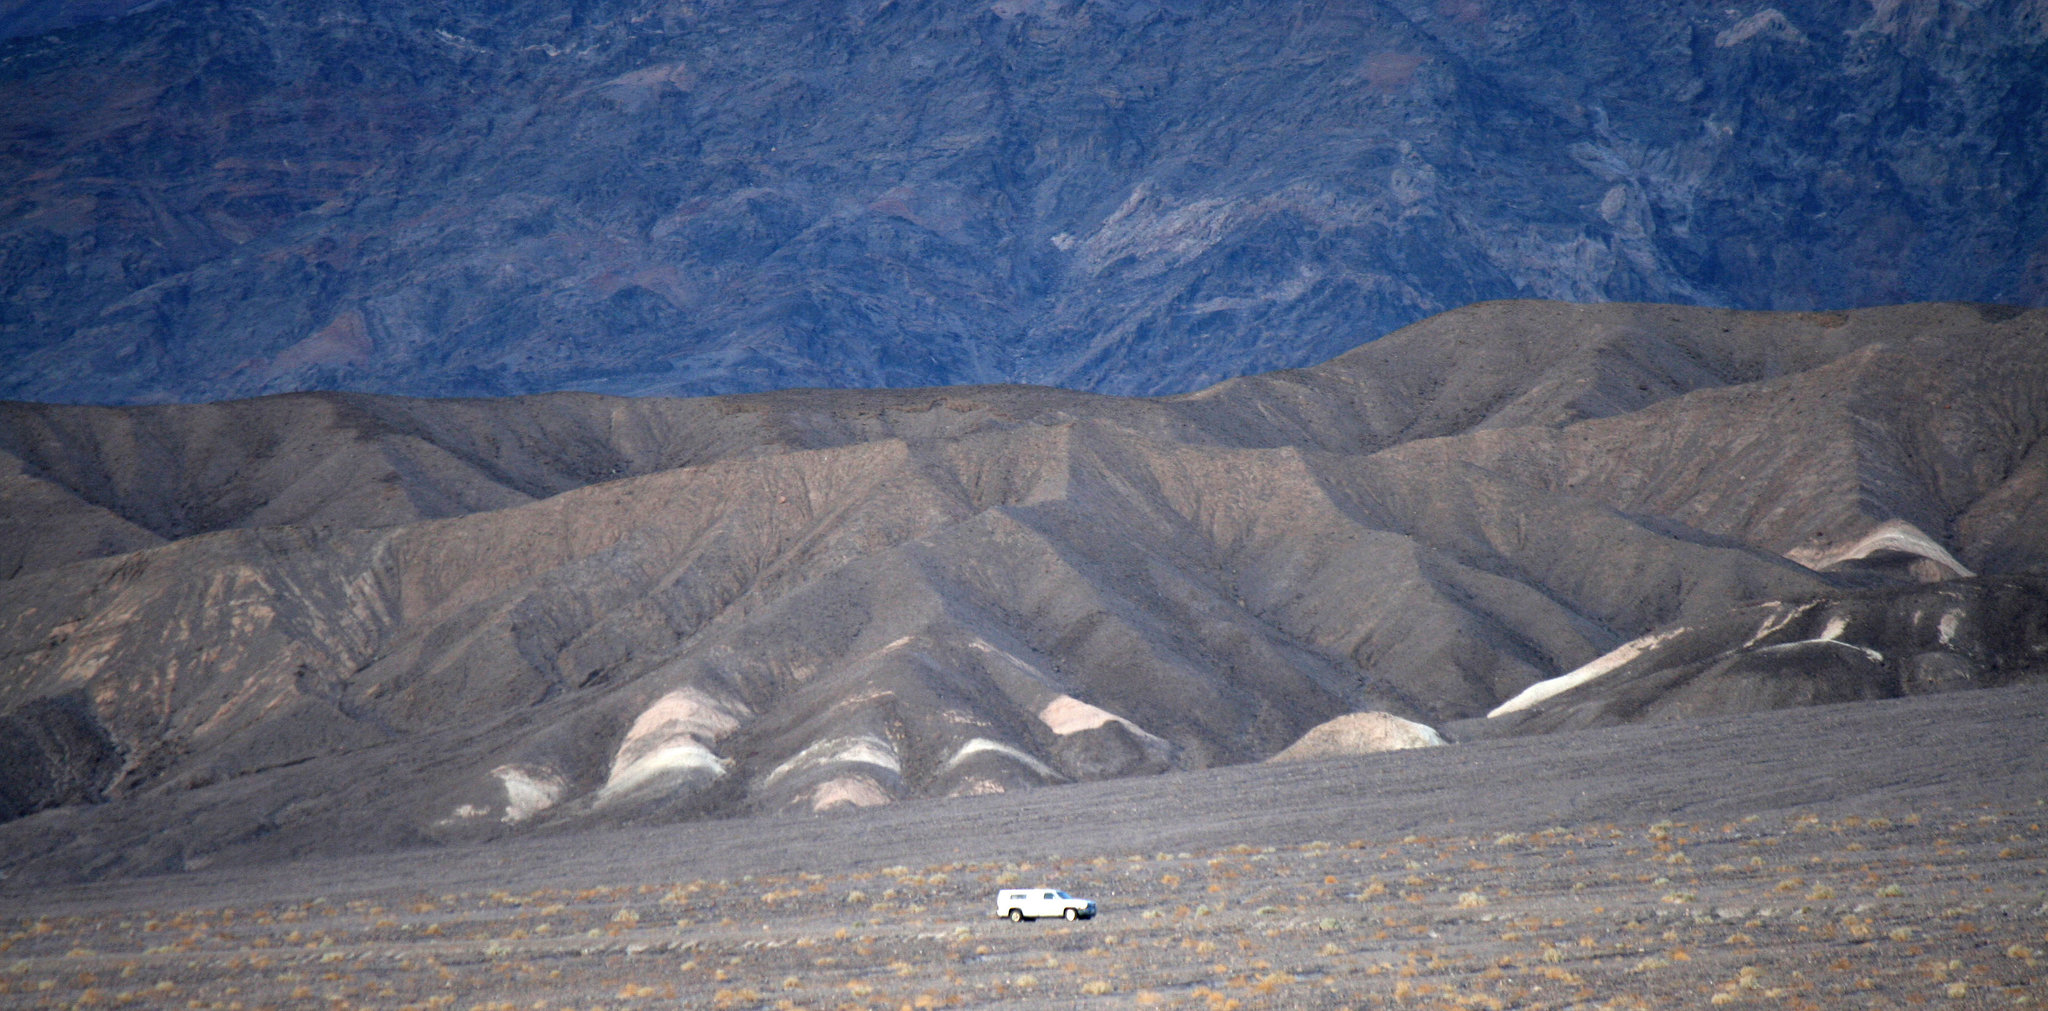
{"x": 330, "y": 621}
{"x": 210, "y": 200}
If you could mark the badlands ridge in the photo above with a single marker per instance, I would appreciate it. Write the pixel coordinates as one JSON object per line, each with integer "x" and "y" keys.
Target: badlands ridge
{"x": 333, "y": 623}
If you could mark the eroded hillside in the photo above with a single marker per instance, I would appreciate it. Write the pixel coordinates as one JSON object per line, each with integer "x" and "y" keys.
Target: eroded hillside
{"x": 323, "y": 622}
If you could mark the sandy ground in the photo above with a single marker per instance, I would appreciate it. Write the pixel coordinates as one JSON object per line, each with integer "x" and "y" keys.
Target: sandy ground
{"x": 1874, "y": 855}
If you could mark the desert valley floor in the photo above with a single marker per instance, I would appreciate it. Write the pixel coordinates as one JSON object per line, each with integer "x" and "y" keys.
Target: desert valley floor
{"x": 1882, "y": 854}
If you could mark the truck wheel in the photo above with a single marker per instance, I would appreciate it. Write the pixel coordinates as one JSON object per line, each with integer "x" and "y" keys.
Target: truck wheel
{"x": 1072, "y": 914}
{"x": 1016, "y": 916}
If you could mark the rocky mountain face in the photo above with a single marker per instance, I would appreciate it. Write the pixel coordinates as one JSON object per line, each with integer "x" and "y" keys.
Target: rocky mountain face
{"x": 213, "y": 199}
{"x": 322, "y": 622}
{"x": 37, "y": 17}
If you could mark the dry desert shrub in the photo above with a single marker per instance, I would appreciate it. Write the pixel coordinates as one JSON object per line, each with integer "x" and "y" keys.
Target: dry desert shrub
{"x": 1273, "y": 982}
{"x": 735, "y": 998}
{"x": 1216, "y": 1000}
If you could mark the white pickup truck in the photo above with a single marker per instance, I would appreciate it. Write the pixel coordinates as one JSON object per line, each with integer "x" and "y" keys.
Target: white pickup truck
{"x": 1032, "y": 903}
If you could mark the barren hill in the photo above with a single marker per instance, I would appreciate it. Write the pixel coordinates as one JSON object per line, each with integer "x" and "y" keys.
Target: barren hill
{"x": 330, "y": 622}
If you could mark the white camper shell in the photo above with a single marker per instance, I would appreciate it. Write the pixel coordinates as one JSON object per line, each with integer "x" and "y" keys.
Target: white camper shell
{"x": 1032, "y": 903}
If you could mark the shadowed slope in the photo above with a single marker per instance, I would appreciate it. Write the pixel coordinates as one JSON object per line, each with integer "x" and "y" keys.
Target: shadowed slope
{"x": 1979, "y": 633}
{"x": 214, "y": 199}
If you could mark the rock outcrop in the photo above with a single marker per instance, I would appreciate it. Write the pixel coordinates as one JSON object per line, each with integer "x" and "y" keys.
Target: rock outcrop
{"x": 1359, "y": 734}
{"x": 209, "y": 200}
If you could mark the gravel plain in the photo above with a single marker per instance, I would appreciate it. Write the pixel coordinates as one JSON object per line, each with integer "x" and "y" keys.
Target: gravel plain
{"x": 1873, "y": 855}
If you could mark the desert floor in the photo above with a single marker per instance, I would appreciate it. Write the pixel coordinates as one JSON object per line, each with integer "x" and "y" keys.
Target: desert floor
{"x": 1874, "y": 855}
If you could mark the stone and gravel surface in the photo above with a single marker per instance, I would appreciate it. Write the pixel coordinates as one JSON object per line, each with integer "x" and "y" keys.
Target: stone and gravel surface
{"x": 1874, "y": 855}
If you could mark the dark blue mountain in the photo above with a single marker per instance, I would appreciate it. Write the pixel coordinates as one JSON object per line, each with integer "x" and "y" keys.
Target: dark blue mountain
{"x": 221, "y": 198}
